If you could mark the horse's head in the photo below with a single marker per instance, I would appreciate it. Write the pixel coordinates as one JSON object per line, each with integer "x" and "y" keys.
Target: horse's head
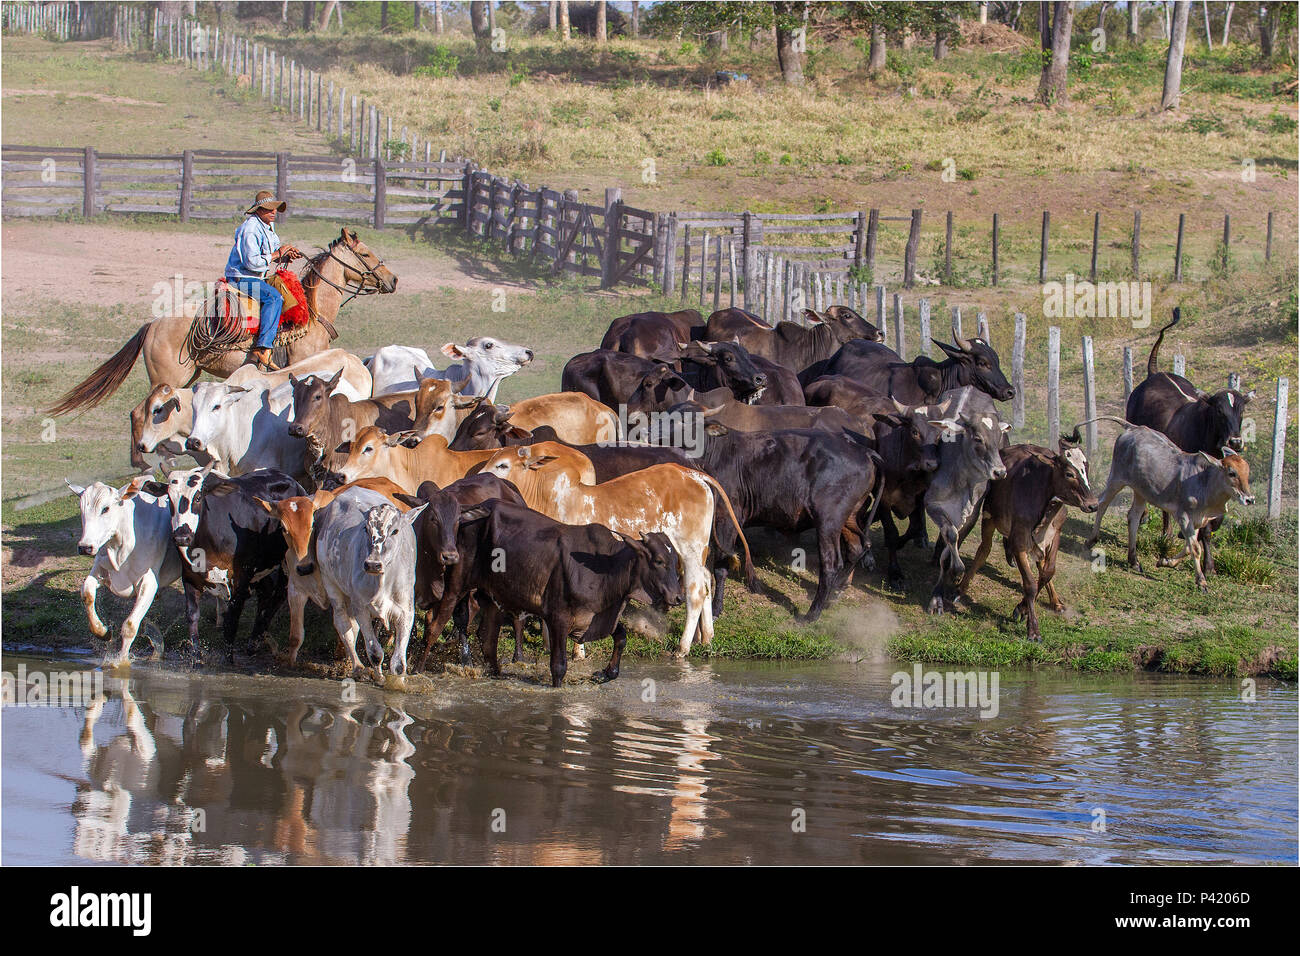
{"x": 361, "y": 267}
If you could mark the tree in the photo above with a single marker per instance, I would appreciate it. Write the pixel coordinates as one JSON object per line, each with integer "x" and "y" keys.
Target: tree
{"x": 636, "y": 18}
{"x": 553, "y": 15}
{"x": 602, "y": 33}
{"x": 790, "y": 39}
{"x": 308, "y": 15}
{"x": 438, "y": 24}
{"x": 330, "y": 7}
{"x": 1052, "y": 89}
{"x": 478, "y": 24}
{"x": 564, "y": 21}
{"x": 383, "y": 15}
{"x": 1174, "y": 62}
{"x": 1134, "y": 15}
{"x": 1227, "y": 21}
{"x": 876, "y": 59}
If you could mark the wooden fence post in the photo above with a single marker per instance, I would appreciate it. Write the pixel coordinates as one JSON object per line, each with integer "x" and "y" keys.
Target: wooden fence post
{"x": 747, "y": 263}
{"x": 1178, "y": 248}
{"x": 1268, "y": 240}
{"x": 686, "y": 262}
{"x": 1128, "y": 373}
{"x": 1137, "y": 243}
{"x": 1053, "y": 386}
{"x": 882, "y": 320}
{"x": 956, "y": 321}
{"x": 1042, "y": 252}
{"x": 1089, "y": 398}
{"x": 717, "y": 275}
{"x": 704, "y": 265}
{"x": 769, "y": 288}
{"x": 670, "y": 256}
{"x": 995, "y": 248}
{"x": 909, "y": 256}
{"x": 1018, "y": 374}
{"x": 467, "y": 187}
{"x": 1180, "y": 363}
{"x": 947, "y": 252}
{"x": 982, "y": 325}
{"x": 1096, "y": 235}
{"x": 898, "y": 323}
{"x": 381, "y": 194}
{"x": 873, "y": 230}
{"x": 1279, "y": 452}
{"x": 88, "y": 183}
{"x": 1227, "y": 232}
{"x": 282, "y": 178}
{"x": 859, "y": 241}
{"x": 924, "y": 326}
{"x": 613, "y": 217}
{"x": 187, "y": 182}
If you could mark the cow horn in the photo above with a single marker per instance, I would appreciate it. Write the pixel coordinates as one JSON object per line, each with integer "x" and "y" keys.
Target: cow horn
{"x": 964, "y": 344}
{"x": 899, "y": 406}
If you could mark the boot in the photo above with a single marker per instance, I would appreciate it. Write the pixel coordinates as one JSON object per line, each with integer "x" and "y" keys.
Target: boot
{"x": 263, "y": 358}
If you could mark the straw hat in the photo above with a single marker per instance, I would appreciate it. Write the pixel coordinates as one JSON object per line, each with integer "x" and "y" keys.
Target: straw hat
{"x": 266, "y": 200}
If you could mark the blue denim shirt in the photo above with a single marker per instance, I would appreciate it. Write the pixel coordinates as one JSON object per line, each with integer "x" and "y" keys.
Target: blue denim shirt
{"x": 250, "y": 258}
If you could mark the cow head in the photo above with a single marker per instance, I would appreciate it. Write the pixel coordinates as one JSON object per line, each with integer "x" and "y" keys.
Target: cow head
{"x": 106, "y": 512}
{"x": 436, "y": 402}
{"x": 490, "y": 359}
{"x": 159, "y": 417}
{"x": 295, "y": 516}
{"x": 185, "y": 494}
{"x": 917, "y": 436}
{"x": 488, "y": 426}
{"x": 734, "y": 367}
{"x": 216, "y": 407}
{"x": 975, "y": 433}
{"x": 1223, "y": 423}
{"x": 1236, "y": 474}
{"x": 841, "y": 316}
{"x": 658, "y": 580}
{"x": 658, "y": 390}
{"x": 977, "y": 364}
{"x": 384, "y": 527}
{"x": 1070, "y": 475}
{"x": 310, "y": 407}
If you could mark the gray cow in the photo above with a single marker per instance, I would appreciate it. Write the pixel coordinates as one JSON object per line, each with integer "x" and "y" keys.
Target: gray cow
{"x": 1192, "y": 486}
{"x": 969, "y": 458}
{"x": 365, "y": 552}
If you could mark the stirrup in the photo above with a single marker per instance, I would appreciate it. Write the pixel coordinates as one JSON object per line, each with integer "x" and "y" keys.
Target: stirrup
{"x": 267, "y": 364}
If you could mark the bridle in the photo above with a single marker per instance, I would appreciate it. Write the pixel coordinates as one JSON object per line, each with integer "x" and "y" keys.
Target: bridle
{"x": 367, "y": 272}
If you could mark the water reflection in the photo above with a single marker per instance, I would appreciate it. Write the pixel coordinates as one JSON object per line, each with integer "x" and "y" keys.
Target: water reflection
{"x": 711, "y": 767}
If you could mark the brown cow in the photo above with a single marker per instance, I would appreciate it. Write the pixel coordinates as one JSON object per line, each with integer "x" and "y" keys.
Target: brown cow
{"x": 653, "y": 334}
{"x": 1027, "y": 508}
{"x": 668, "y": 498}
{"x": 573, "y": 417}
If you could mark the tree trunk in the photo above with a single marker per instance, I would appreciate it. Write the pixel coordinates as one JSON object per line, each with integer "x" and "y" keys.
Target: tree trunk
{"x": 1101, "y": 16}
{"x": 284, "y": 12}
{"x": 1045, "y": 25}
{"x": 478, "y": 23}
{"x": 492, "y": 19}
{"x": 553, "y": 16}
{"x": 1227, "y": 22}
{"x": 564, "y": 21}
{"x": 383, "y": 15}
{"x": 909, "y": 38}
{"x": 1052, "y": 89}
{"x": 602, "y": 28}
{"x": 940, "y": 44}
{"x": 308, "y": 15}
{"x": 636, "y": 19}
{"x": 984, "y": 13}
{"x": 1209, "y": 40}
{"x": 1167, "y": 18}
{"x": 788, "y": 58}
{"x": 876, "y": 59}
{"x": 1174, "y": 62}
{"x": 1134, "y": 16}
{"x": 329, "y": 12}
{"x": 438, "y": 24}
{"x": 415, "y": 14}
{"x": 1267, "y": 29}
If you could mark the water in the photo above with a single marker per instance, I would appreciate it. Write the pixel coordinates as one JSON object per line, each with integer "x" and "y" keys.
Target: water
{"x": 715, "y": 763}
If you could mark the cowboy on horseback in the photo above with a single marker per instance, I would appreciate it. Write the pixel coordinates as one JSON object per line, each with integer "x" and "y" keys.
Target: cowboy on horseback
{"x": 253, "y": 258}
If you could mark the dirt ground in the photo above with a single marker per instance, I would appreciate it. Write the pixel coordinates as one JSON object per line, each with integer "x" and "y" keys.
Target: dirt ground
{"x": 117, "y": 265}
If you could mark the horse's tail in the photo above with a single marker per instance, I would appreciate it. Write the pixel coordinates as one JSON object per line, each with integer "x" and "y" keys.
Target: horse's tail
{"x": 105, "y": 380}
{"x": 1155, "y": 349}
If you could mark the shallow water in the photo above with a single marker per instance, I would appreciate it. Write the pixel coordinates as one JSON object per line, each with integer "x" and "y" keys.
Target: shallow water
{"x": 710, "y": 763}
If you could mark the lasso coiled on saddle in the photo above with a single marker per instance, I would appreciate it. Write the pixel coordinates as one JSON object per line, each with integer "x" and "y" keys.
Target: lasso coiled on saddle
{"x": 210, "y": 337}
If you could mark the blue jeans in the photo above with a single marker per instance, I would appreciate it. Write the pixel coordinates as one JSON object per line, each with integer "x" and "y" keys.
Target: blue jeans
{"x": 272, "y": 303}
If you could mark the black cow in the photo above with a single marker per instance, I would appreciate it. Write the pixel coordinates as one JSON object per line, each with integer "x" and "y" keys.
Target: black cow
{"x": 863, "y": 403}
{"x": 611, "y": 377}
{"x": 439, "y": 570}
{"x": 725, "y": 323}
{"x": 921, "y": 381}
{"x": 230, "y": 545}
{"x": 665, "y": 391}
{"x": 795, "y": 346}
{"x": 653, "y": 334}
{"x": 1193, "y": 420}
{"x": 576, "y": 578}
{"x": 908, "y": 445}
{"x": 791, "y": 480}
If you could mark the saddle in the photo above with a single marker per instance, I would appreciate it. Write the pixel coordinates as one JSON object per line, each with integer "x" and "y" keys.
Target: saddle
{"x": 241, "y": 312}
{"x": 230, "y": 320}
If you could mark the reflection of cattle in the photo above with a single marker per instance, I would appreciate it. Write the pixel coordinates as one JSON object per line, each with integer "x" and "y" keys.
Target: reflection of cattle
{"x": 1027, "y": 508}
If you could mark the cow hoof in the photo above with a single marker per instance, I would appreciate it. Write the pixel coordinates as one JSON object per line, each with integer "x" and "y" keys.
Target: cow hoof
{"x": 935, "y": 606}
{"x": 867, "y": 562}
{"x": 1204, "y": 586}
{"x": 896, "y": 582}
{"x": 607, "y": 675}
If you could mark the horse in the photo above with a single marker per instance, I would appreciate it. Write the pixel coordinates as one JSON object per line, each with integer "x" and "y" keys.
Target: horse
{"x": 334, "y": 276}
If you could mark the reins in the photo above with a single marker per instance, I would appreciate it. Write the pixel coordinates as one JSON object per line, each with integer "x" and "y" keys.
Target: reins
{"x": 367, "y": 272}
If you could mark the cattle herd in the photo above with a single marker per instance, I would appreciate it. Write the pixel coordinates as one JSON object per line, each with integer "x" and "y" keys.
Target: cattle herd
{"x": 373, "y": 488}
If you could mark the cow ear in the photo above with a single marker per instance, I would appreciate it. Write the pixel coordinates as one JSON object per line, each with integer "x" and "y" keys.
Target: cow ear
{"x": 515, "y": 433}
{"x": 716, "y": 429}
{"x": 77, "y": 490}
{"x": 474, "y": 512}
{"x": 332, "y": 383}
{"x": 1006, "y": 426}
{"x": 292, "y": 380}
{"x": 414, "y": 513}
{"x": 345, "y": 448}
{"x": 535, "y": 463}
{"x": 1210, "y": 458}
{"x": 411, "y": 500}
{"x": 265, "y": 505}
{"x": 1225, "y": 451}
{"x": 452, "y": 350}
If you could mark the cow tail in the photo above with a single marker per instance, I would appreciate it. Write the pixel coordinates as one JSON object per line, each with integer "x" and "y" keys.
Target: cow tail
{"x": 1104, "y": 418}
{"x": 750, "y": 581}
{"x": 877, "y": 492}
{"x": 1155, "y": 349}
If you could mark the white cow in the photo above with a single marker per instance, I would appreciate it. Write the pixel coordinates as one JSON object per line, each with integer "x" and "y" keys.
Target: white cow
{"x": 129, "y": 532}
{"x": 356, "y": 382}
{"x": 246, "y": 427}
{"x": 485, "y": 361}
{"x": 365, "y": 553}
